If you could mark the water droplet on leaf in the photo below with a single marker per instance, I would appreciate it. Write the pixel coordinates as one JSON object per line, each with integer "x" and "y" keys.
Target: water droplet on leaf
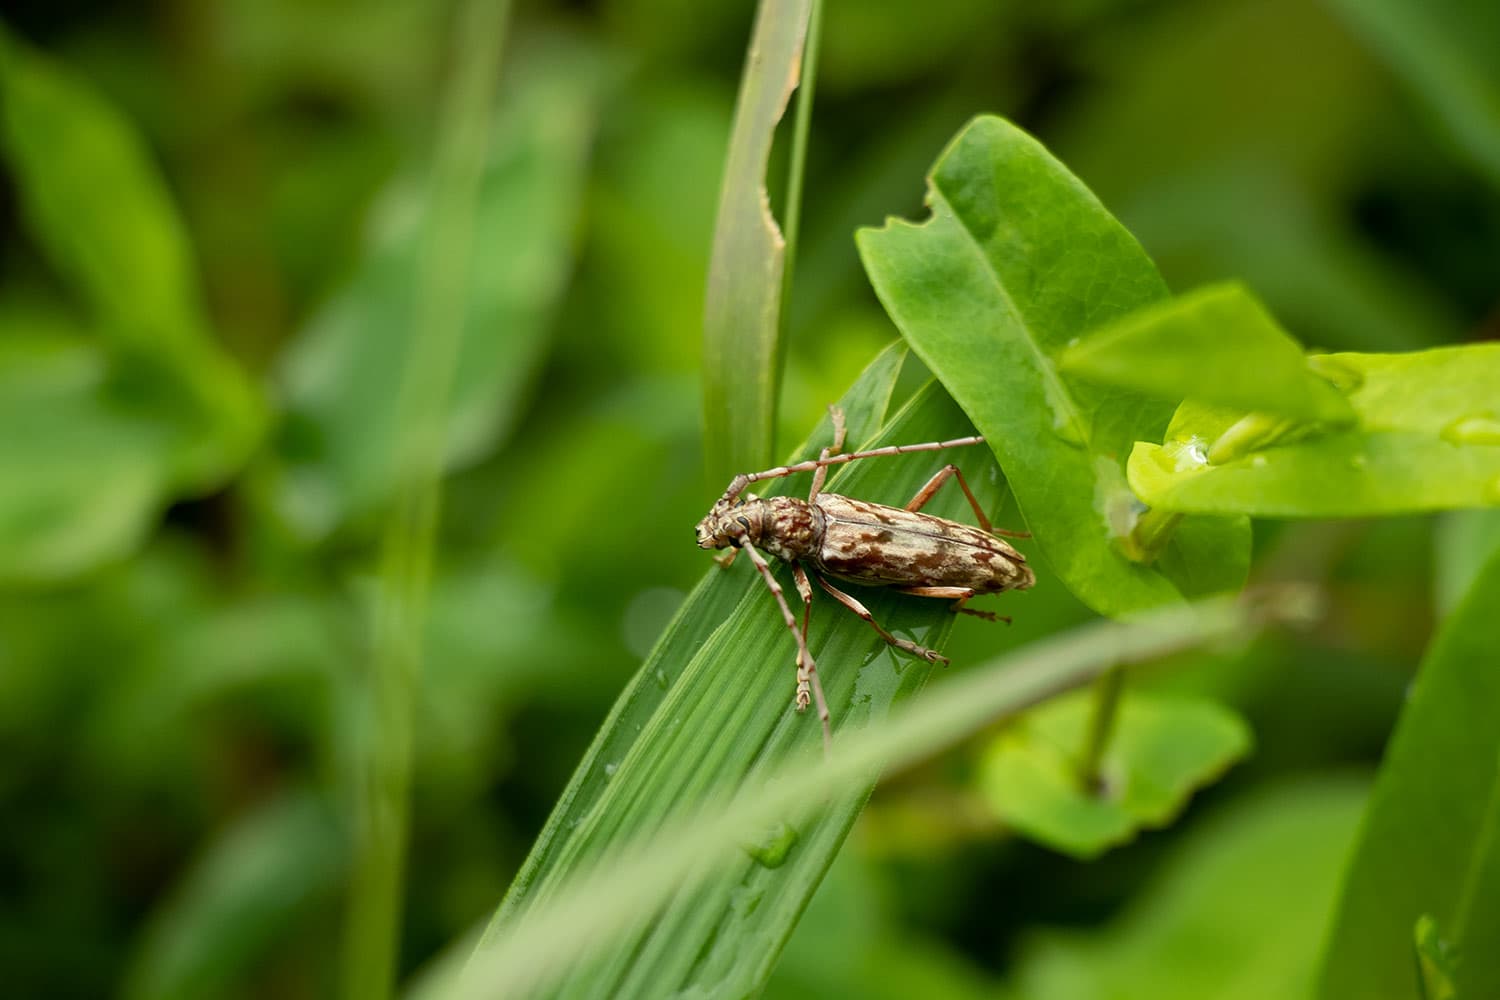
{"x": 1476, "y": 428}
{"x": 1345, "y": 378}
{"x": 772, "y": 849}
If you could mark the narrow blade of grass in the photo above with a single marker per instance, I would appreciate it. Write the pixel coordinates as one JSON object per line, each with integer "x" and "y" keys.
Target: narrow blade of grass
{"x": 712, "y": 707}
{"x": 741, "y": 316}
{"x": 699, "y": 845}
{"x": 384, "y": 748}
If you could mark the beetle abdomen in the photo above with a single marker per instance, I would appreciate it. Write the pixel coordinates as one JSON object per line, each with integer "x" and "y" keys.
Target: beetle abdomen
{"x": 877, "y": 545}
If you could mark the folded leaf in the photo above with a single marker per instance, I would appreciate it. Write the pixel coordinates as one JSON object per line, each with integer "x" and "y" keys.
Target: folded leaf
{"x": 1218, "y": 345}
{"x": 1428, "y": 438}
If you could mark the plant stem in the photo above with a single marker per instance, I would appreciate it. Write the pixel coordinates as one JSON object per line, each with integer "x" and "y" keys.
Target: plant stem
{"x": 1151, "y": 534}
{"x": 384, "y": 740}
{"x": 1107, "y": 690}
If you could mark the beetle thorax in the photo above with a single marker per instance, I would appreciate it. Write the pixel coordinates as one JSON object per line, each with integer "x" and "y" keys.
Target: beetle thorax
{"x": 785, "y": 527}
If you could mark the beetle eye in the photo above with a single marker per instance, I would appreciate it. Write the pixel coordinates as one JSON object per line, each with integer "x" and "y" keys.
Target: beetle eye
{"x": 744, "y": 521}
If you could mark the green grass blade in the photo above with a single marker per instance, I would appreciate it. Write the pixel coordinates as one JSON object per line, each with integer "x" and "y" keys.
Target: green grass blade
{"x": 712, "y": 707}
{"x": 1430, "y": 841}
{"x": 383, "y": 750}
{"x": 741, "y": 316}
{"x": 346, "y": 366}
{"x": 701, "y": 614}
{"x": 697, "y": 847}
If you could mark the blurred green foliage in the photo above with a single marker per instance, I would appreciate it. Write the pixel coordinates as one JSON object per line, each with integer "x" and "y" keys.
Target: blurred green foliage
{"x": 212, "y": 217}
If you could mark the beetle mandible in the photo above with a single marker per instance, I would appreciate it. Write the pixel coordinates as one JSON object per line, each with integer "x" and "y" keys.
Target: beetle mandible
{"x": 864, "y": 543}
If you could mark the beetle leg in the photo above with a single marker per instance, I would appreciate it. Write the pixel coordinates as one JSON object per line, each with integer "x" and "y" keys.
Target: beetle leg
{"x": 947, "y": 472}
{"x": 820, "y": 476}
{"x": 926, "y": 493}
{"x": 922, "y": 652}
{"x": 738, "y": 484}
{"x": 960, "y": 596}
{"x": 805, "y": 665}
{"x": 804, "y": 676}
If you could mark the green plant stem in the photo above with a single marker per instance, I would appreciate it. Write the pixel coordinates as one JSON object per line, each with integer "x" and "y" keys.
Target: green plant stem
{"x": 1150, "y": 535}
{"x": 383, "y": 748}
{"x": 1107, "y": 690}
{"x": 797, "y": 162}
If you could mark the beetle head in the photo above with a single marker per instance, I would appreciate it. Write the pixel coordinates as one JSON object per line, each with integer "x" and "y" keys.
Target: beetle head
{"x": 730, "y": 525}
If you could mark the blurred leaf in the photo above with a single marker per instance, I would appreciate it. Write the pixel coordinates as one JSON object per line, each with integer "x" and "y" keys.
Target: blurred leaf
{"x": 1463, "y": 542}
{"x": 1216, "y": 344}
{"x": 99, "y": 208}
{"x": 1428, "y": 439}
{"x": 742, "y": 308}
{"x": 1238, "y": 913}
{"x": 1430, "y": 841}
{"x": 712, "y": 705}
{"x": 1448, "y": 52}
{"x": 651, "y": 211}
{"x": 237, "y": 898}
{"x": 1436, "y": 962}
{"x": 343, "y": 374}
{"x": 83, "y": 479}
{"x": 1017, "y": 260}
{"x": 1221, "y": 169}
{"x": 603, "y": 897}
{"x": 851, "y": 942}
{"x": 1162, "y": 749}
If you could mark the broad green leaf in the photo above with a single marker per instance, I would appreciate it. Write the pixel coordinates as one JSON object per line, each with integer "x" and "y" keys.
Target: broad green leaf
{"x": 1447, "y": 52}
{"x": 712, "y": 706}
{"x": 1017, "y": 260}
{"x": 344, "y": 373}
{"x": 602, "y": 899}
{"x": 1430, "y": 841}
{"x": 1162, "y": 749}
{"x": 100, "y": 210}
{"x": 1237, "y": 912}
{"x": 1217, "y": 344}
{"x": 742, "y": 309}
{"x": 1428, "y": 438}
{"x": 274, "y": 866}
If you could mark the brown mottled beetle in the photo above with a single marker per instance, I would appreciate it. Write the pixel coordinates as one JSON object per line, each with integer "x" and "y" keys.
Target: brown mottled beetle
{"x": 865, "y": 543}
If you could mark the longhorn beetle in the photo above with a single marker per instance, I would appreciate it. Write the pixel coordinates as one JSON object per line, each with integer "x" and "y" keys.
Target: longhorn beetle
{"x": 865, "y": 543}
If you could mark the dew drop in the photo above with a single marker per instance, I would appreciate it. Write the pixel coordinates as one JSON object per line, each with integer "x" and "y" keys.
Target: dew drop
{"x": 1476, "y": 428}
{"x": 1345, "y": 378}
{"x": 1188, "y": 454}
{"x": 774, "y": 846}
{"x": 610, "y": 769}
{"x": 660, "y": 676}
